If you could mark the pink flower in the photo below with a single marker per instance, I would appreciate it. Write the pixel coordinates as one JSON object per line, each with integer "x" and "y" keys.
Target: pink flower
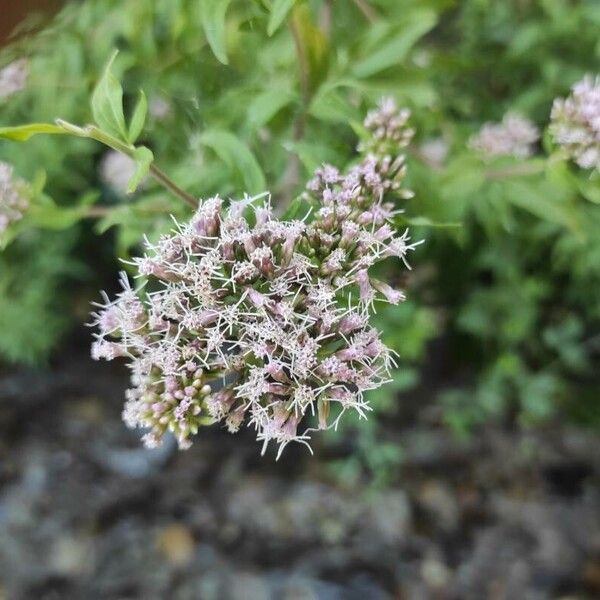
{"x": 252, "y": 320}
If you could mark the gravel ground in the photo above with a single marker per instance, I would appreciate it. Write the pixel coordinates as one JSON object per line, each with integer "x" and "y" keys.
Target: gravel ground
{"x": 85, "y": 513}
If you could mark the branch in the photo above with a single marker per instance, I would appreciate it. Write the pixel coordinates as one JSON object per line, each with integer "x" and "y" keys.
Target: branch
{"x": 367, "y": 10}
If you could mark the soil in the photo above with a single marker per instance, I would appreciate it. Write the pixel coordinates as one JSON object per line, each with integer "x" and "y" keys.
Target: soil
{"x": 86, "y": 513}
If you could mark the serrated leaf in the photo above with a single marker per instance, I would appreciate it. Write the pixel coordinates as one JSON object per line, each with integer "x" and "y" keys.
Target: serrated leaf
{"x": 139, "y": 118}
{"x": 143, "y": 158}
{"x": 393, "y": 50}
{"x": 267, "y": 104}
{"x": 543, "y": 201}
{"x": 22, "y": 133}
{"x": 212, "y": 14}
{"x": 107, "y": 103}
{"x": 279, "y": 11}
{"x": 236, "y": 154}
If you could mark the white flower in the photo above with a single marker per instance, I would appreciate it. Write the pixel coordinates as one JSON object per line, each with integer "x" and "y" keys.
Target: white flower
{"x": 116, "y": 170}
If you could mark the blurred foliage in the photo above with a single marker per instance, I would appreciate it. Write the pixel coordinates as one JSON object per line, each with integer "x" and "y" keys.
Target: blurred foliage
{"x": 244, "y": 95}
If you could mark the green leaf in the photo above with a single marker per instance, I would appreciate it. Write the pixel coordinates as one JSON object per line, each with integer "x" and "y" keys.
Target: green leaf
{"x": 279, "y": 12}
{"x": 590, "y": 189}
{"x": 212, "y": 13}
{"x": 22, "y": 133}
{"x": 107, "y": 103}
{"x": 312, "y": 47}
{"x": 50, "y": 216}
{"x": 393, "y": 51}
{"x": 297, "y": 208}
{"x": 236, "y": 154}
{"x": 267, "y": 104}
{"x": 544, "y": 201}
{"x": 313, "y": 154}
{"x": 143, "y": 159}
{"x": 139, "y": 118}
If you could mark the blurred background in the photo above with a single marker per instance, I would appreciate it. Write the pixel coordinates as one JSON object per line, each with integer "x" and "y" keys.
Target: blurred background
{"x": 477, "y": 474}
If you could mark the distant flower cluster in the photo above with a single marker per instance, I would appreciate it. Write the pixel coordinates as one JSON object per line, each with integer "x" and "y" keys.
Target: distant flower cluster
{"x": 116, "y": 170}
{"x": 12, "y": 203}
{"x": 159, "y": 108}
{"x": 514, "y": 136}
{"x": 575, "y": 123}
{"x": 434, "y": 152}
{"x": 388, "y": 129}
{"x": 252, "y": 320}
{"x": 13, "y": 78}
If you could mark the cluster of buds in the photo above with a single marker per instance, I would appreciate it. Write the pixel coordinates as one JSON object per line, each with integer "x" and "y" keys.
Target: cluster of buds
{"x": 13, "y": 203}
{"x": 575, "y": 123}
{"x": 248, "y": 319}
{"x": 514, "y": 136}
{"x": 388, "y": 129}
{"x": 13, "y": 78}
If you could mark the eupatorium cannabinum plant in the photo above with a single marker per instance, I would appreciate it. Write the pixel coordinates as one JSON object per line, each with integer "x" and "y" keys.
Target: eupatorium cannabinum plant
{"x": 245, "y": 318}
{"x": 249, "y": 319}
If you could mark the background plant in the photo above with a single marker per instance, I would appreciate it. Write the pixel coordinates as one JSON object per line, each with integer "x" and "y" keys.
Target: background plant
{"x": 254, "y": 95}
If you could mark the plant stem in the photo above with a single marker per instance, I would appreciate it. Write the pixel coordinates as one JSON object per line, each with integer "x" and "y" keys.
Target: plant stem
{"x": 94, "y": 133}
{"x": 367, "y": 10}
{"x": 303, "y": 66}
{"x": 157, "y": 173}
{"x": 170, "y": 185}
{"x": 97, "y": 212}
{"x": 517, "y": 171}
{"x": 325, "y": 17}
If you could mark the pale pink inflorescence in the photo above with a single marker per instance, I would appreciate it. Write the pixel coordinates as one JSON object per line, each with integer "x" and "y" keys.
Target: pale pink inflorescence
{"x": 13, "y": 204}
{"x": 13, "y": 78}
{"x": 116, "y": 170}
{"x": 159, "y": 108}
{"x": 514, "y": 136}
{"x": 434, "y": 152}
{"x": 575, "y": 123}
{"x": 258, "y": 321}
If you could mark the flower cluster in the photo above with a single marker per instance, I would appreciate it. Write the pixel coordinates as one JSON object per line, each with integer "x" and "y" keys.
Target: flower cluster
{"x": 434, "y": 152}
{"x": 514, "y": 136}
{"x": 159, "y": 108}
{"x": 12, "y": 202}
{"x": 13, "y": 78}
{"x": 116, "y": 170}
{"x": 575, "y": 123}
{"x": 252, "y": 320}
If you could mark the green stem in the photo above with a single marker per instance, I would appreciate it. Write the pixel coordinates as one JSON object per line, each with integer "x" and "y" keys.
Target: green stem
{"x": 90, "y": 131}
{"x": 516, "y": 171}
{"x": 170, "y": 185}
{"x": 367, "y": 10}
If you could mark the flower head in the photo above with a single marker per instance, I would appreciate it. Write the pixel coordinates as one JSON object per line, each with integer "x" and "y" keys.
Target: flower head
{"x": 13, "y": 77}
{"x": 514, "y": 136}
{"x": 13, "y": 204}
{"x": 575, "y": 123}
{"x": 252, "y": 320}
